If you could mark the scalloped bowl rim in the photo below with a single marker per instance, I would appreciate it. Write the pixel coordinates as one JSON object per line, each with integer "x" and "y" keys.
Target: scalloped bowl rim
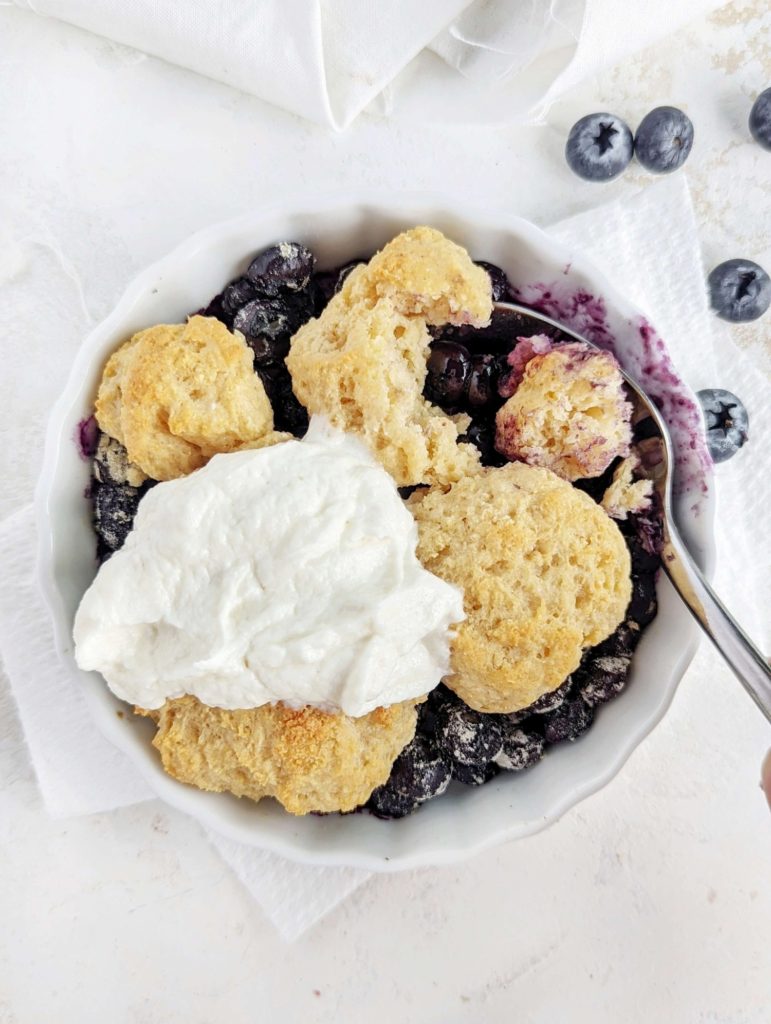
{"x": 379, "y": 851}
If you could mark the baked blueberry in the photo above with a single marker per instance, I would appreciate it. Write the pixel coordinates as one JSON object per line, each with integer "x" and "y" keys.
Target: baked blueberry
{"x": 520, "y": 750}
{"x": 473, "y": 774}
{"x": 739, "y": 290}
{"x": 663, "y": 140}
{"x": 599, "y": 147}
{"x": 466, "y": 736}
{"x": 236, "y": 295}
{"x": 115, "y": 506}
{"x": 288, "y": 413}
{"x": 284, "y": 267}
{"x": 268, "y": 325}
{"x": 482, "y": 383}
{"x": 568, "y": 722}
{"x": 481, "y": 433}
{"x": 419, "y": 773}
{"x": 760, "y": 119}
{"x": 551, "y": 701}
{"x": 726, "y": 420}
{"x": 498, "y": 280}
{"x": 643, "y": 605}
{"x": 449, "y": 365}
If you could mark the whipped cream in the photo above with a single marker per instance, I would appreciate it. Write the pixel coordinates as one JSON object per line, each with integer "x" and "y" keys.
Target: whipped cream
{"x": 281, "y": 574}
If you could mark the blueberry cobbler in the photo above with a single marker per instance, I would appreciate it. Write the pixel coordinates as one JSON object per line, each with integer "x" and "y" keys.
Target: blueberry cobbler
{"x": 360, "y": 536}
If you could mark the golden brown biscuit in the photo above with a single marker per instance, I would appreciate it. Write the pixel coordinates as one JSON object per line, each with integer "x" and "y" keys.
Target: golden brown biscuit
{"x": 362, "y": 363}
{"x": 569, "y": 413}
{"x": 545, "y": 574}
{"x": 307, "y": 759}
{"x": 176, "y": 394}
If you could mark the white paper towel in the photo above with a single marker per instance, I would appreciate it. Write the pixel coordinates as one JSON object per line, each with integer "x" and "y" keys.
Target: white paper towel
{"x": 327, "y": 60}
{"x": 649, "y": 248}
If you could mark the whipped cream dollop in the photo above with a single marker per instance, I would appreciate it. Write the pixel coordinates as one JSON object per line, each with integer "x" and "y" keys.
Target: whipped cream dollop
{"x": 280, "y": 574}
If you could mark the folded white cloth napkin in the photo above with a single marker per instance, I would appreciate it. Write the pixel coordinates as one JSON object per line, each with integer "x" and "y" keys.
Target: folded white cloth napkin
{"x": 327, "y": 60}
{"x": 648, "y": 247}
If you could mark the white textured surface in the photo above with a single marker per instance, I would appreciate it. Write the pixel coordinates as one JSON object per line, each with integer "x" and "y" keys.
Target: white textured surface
{"x": 651, "y": 901}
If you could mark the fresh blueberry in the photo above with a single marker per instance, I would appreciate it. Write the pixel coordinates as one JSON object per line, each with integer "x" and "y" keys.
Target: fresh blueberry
{"x": 418, "y": 774}
{"x": 739, "y": 290}
{"x": 568, "y": 722}
{"x": 520, "y": 750}
{"x": 663, "y": 140}
{"x": 498, "y": 280}
{"x": 466, "y": 736}
{"x": 599, "y": 147}
{"x": 482, "y": 383}
{"x": 760, "y": 119}
{"x": 475, "y": 774}
{"x": 284, "y": 267}
{"x": 726, "y": 420}
{"x": 449, "y": 366}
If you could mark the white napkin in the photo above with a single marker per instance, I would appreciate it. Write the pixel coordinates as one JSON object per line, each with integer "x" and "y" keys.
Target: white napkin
{"x": 649, "y": 248}
{"x": 327, "y": 60}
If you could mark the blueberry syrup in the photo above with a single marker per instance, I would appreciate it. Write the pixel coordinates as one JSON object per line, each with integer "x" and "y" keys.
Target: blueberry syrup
{"x": 87, "y": 437}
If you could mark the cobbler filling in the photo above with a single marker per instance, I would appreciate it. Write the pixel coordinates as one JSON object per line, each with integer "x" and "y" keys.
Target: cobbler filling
{"x": 466, "y": 373}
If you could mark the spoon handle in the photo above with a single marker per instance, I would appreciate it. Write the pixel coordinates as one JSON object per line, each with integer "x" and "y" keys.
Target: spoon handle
{"x": 747, "y": 662}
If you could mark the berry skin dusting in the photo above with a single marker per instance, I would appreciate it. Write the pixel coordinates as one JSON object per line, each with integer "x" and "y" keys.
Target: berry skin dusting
{"x": 739, "y": 290}
{"x": 599, "y": 147}
{"x": 760, "y": 119}
{"x": 419, "y": 773}
{"x": 663, "y": 140}
{"x": 284, "y": 267}
{"x": 727, "y": 423}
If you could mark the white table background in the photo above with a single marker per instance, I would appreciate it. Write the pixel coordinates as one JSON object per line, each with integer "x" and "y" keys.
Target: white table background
{"x": 649, "y": 902}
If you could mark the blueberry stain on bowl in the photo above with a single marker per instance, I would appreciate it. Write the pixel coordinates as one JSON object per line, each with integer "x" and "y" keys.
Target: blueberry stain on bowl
{"x": 726, "y": 421}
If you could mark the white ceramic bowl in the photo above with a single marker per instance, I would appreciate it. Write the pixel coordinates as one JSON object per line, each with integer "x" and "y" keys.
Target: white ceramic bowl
{"x": 464, "y": 820}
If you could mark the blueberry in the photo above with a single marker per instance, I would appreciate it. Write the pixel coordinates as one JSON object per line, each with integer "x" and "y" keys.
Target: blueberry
{"x": 473, "y": 774}
{"x": 284, "y": 267}
{"x": 551, "y": 701}
{"x": 268, "y": 325}
{"x": 569, "y": 722}
{"x": 739, "y": 290}
{"x": 448, "y": 371}
{"x": 288, "y": 413}
{"x": 520, "y": 750}
{"x": 643, "y": 605}
{"x": 482, "y": 383}
{"x": 482, "y": 434}
{"x": 236, "y": 295}
{"x": 323, "y": 289}
{"x": 726, "y": 420}
{"x": 760, "y": 119}
{"x": 663, "y": 140}
{"x": 466, "y": 736}
{"x": 604, "y": 671}
{"x": 498, "y": 279}
{"x": 418, "y": 774}
{"x": 115, "y": 506}
{"x": 599, "y": 147}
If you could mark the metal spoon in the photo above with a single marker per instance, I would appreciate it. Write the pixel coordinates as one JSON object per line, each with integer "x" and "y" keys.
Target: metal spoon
{"x": 747, "y": 662}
